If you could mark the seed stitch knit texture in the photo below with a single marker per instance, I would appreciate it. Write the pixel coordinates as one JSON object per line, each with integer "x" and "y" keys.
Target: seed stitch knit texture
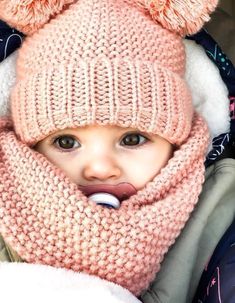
{"x": 47, "y": 220}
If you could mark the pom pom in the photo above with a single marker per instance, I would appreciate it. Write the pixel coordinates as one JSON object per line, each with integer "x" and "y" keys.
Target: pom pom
{"x": 29, "y": 15}
{"x": 181, "y": 16}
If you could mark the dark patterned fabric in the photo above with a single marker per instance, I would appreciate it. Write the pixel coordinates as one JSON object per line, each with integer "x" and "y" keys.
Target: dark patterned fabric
{"x": 217, "y": 284}
{"x": 10, "y": 40}
{"x": 227, "y": 72}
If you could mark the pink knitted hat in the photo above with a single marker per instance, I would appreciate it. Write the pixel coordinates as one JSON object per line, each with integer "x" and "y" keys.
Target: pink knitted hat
{"x": 106, "y": 61}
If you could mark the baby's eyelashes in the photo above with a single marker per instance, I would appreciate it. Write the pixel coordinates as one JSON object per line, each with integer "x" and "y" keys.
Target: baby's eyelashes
{"x": 66, "y": 142}
{"x": 133, "y": 139}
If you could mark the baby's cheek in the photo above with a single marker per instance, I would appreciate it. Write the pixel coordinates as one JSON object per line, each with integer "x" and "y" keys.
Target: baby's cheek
{"x": 149, "y": 165}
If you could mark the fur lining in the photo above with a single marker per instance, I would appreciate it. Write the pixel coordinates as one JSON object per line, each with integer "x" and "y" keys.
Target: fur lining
{"x": 26, "y": 283}
{"x": 7, "y": 80}
{"x": 210, "y": 94}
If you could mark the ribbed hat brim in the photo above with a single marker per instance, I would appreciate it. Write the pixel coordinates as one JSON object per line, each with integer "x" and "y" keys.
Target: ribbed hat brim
{"x": 127, "y": 93}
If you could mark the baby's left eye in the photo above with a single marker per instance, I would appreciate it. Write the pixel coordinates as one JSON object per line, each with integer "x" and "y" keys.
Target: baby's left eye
{"x": 133, "y": 139}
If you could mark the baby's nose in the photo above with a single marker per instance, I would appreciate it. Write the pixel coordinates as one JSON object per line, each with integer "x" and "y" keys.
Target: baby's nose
{"x": 101, "y": 169}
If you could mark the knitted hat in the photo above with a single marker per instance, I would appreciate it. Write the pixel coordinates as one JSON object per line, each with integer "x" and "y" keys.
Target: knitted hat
{"x": 115, "y": 62}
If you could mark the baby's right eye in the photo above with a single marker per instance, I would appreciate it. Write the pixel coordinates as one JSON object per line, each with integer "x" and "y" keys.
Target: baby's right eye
{"x": 66, "y": 142}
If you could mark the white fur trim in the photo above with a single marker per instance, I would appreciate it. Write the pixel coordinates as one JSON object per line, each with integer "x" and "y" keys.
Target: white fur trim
{"x": 27, "y": 283}
{"x": 7, "y": 80}
{"x": 210, "y": 94}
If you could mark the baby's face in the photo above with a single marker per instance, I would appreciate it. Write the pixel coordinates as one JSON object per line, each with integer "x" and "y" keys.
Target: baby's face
{"x": 96, "y": 155}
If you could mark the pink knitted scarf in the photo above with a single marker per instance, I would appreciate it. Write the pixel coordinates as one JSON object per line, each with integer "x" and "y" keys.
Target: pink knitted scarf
{"x": 47, "y": 220}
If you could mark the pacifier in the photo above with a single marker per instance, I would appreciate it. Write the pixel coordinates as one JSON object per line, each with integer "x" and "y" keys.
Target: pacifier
{"x": 105, "y": 199}
{"x": 108, "y": 195}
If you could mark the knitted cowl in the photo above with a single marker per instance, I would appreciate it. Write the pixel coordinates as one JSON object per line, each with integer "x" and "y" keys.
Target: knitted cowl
{"x": 47, "y": 220}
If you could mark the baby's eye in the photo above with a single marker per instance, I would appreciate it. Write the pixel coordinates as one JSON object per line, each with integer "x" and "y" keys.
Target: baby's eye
{"x": 66, "y": 142}
{"x": 133, "y": 139}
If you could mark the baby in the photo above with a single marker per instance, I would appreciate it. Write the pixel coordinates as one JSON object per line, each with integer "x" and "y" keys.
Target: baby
{"x": 109, "y": 159}
{"x": 104, "y": 160}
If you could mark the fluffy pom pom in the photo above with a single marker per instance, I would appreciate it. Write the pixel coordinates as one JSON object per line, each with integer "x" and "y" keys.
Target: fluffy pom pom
{"x": 29, "y": 15}
{"x": 181, "y": 16}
